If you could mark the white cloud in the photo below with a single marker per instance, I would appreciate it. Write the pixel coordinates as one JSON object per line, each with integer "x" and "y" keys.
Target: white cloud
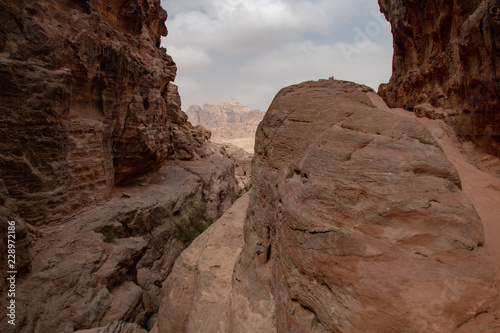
{"x": 190, "y": 58}
{"x": 188, "y": 85}
{"x": 249, "y": 50}
{"x": 306, "y": 60}
{"x": 242, "y": 26}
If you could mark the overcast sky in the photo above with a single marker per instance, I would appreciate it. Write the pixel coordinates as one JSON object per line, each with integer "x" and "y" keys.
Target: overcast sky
{"x": 249, "y": 50}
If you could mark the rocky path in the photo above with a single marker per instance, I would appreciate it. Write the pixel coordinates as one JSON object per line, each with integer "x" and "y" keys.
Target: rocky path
{"x": 339, "y": 223}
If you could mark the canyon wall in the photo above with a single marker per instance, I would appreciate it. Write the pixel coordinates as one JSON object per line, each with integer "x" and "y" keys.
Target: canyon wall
{"x": 99, "y": 168}
{"x": 447, "y": 53}
{"x": 87, "y": 101}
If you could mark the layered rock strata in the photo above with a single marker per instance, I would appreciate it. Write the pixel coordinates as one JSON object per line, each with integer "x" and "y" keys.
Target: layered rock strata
{"x": 356, "y": 223}
{"x": 447, "y": 53}
{"x": 87, "y": 101}
{"x": 243, "y": 164}
{"x": 104, "y": 266}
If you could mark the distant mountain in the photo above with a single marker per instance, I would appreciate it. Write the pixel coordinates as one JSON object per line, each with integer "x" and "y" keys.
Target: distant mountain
{"x": 229, "y": 122}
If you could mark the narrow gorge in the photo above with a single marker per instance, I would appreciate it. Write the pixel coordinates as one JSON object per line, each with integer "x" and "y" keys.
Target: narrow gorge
{"x": 358, "y": 212}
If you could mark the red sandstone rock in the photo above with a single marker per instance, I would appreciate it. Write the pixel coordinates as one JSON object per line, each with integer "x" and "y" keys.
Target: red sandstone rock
{"x": 357, "y": 223}
{"x": 107, "y": 262}
{"x": 447, "y": 53}
{"x": 87, "y": 101}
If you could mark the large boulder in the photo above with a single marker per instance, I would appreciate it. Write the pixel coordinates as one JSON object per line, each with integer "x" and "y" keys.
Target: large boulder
{"x": 357, "y": 223}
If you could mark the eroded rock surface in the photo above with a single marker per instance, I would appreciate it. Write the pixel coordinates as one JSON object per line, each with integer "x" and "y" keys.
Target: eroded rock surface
{"x": 447, "y": 53}
{"x": 196, "y": 296}
{"x": 357, "y": 223}
{"x": 243, "y": 164}
{"x": 107, "y": 262}
{"x": 87, "y": 101}
{"x": 116, "y": 327}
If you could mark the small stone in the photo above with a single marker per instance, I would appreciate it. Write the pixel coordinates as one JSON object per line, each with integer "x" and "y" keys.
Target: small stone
{"x": 259, "y": 249}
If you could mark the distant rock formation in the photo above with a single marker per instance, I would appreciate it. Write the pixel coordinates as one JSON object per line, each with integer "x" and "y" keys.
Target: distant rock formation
{"x": 356, "y": 223}
{"x": 87, "y": 101}
{"x": 229, "y": 122}
{"x": 447, "y": 53}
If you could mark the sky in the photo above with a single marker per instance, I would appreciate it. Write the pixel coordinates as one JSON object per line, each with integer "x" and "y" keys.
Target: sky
{"x": 249, "y": 50}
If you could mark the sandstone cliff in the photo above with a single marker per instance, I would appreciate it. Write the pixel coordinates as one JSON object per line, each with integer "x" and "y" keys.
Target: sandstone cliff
{"x": 99, "y": 167}
{"x": 356, "y": 223}
{"x": 447, "y": 53}
{"x": 229, "y": 122}
{"x": 87, "y": 101}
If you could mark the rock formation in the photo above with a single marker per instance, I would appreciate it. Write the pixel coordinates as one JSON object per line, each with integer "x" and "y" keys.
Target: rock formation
{"x": 196, "y": 295}
{"x": 356, "y": 223}
{"x": 87, "y": 101}
{"x": 116, "y": 327}
{"x": 447, "y": 53}
{"x": 242, "y": 163}
{"x": 107, "y": 262}
{"x": 229, "y": 122}
{"x": 99, "y": 167}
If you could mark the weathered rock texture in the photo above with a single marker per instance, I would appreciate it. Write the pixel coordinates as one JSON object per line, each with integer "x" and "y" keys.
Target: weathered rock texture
{"x": 447, "y": 53}
{"x": 116, "y": 327}
{"x": 196, "y": 296}
{"x": 87, "y": 101}
{"x": 357, "y": 223}
{"x": 108, "y": 261}
{"x": 229, "y": 122}
{"x": 242, "y": 163}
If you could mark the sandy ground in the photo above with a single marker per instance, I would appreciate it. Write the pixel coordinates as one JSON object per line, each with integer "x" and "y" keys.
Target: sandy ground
{"x": 482, "y": 188}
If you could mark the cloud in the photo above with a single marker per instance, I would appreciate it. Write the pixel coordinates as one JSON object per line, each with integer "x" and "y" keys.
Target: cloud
{"x": 188, "y": 85}
{"x": 190, "y": 58}
{"x": 249, "y": 50}
{"x": 306, "y": 60}
{"x": 251, "y": 26}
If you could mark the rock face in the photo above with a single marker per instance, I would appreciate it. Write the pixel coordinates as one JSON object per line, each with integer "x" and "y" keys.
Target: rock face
{"x": 99, "y": 167}
{"x": 243, "y": 164}
{"x": 107, "y": 262}
{"x": 87, "y": 101}
{"x": 116, "y": 327}
{"x": 447, "y": 53}
{"x": 357, "y": 223}
{"x": 196, "y": 296}
{"x": 229, "y": 122}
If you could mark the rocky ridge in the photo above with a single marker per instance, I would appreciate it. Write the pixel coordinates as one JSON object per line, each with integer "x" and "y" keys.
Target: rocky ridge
{"x": 447, "y": 53}
{"x": 230, "y": 122}
{"x": 356, "y": 223}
